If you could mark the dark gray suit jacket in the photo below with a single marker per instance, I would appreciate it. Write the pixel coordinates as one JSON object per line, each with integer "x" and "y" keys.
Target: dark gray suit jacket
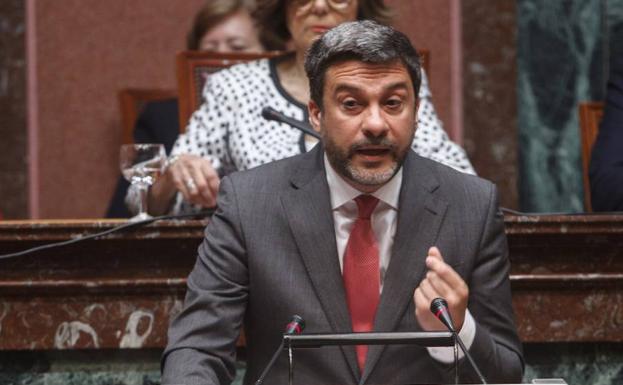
{"x": 270, "y": 252}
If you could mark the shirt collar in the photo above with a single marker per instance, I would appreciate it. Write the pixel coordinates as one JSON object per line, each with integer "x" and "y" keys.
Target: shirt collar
{"x": 341, "y": 192}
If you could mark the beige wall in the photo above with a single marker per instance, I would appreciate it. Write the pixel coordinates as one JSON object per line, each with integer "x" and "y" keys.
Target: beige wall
{"x": 84, "y": 51}
{"x": 429, "y": 23}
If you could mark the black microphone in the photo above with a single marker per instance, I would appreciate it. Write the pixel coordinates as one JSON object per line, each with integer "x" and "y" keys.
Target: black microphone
{"x": 295, "y": 326}
{"x": 270, "y": 113}
{"x": 439, "y": 307}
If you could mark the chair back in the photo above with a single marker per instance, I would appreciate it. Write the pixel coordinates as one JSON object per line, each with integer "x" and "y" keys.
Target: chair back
{"x": 193, "y": 68}
{"x": 131, "y": 103}
{"x": 590, "y": 117}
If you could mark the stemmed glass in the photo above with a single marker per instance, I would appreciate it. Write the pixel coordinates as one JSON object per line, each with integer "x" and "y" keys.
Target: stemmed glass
{"x": 141, "y": 164}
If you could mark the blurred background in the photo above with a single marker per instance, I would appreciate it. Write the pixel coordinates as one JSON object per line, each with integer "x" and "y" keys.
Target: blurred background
{"x": 506, "y": 77}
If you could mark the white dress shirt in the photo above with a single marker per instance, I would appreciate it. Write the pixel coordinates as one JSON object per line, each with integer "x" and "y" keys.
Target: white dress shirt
{"x": 384, "y": 219}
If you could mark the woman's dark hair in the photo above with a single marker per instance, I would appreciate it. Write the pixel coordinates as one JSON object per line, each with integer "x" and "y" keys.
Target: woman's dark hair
{"x": 212, "y": 13}
{"x": 271, "y": 18}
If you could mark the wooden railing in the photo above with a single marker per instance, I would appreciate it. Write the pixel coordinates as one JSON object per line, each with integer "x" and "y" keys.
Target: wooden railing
{"x": 120, "y": 291}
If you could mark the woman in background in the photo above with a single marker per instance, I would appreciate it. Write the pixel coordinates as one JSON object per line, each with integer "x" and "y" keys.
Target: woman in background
{"x": 225, "y": 26}
{"x": 228, "y": 132}
{"x": 219, "y": 26}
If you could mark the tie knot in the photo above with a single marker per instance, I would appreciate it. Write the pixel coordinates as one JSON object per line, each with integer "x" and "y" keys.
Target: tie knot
{"x": 366, "y": 205}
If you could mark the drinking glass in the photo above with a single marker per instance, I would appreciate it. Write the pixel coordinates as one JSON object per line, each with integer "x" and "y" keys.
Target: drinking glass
{"x": 141, "y": 164}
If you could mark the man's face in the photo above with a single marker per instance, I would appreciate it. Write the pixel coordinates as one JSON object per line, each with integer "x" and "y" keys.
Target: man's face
{"x": 367, "y": 121}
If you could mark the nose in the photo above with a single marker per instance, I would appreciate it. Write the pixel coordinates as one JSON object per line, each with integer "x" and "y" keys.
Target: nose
{"x": 374, "y": 122}
{"x": 319, "y": 6}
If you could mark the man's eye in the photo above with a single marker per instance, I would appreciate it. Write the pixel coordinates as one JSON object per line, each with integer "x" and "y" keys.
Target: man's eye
{"x": 349, "y": 103}
{"x": 394, "y": 103}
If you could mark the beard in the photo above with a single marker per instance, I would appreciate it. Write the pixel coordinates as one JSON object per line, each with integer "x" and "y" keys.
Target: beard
{"x": 342, "y": 161}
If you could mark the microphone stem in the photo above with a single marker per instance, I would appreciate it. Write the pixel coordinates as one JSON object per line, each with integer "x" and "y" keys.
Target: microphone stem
{"x": 469, "y": 357}
{"x": 301, "y": 127}
{"x": 269, "y": 113}
{"x": 270, "y": 364}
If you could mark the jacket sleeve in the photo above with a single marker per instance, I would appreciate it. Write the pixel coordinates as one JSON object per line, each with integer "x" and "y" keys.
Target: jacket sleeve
{"x": 203, "y": 336}
{"x": 496, "y": 348}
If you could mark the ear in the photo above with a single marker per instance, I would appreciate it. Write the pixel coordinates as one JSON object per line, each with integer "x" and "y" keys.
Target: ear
{"x": 315, "y": 115}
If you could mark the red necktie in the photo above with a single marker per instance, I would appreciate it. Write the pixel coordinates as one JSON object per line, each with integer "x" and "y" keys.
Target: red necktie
{"x": 361, "y": 272}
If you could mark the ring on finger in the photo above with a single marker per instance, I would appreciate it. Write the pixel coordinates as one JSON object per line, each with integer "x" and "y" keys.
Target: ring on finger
{"x": 190, "y": 184}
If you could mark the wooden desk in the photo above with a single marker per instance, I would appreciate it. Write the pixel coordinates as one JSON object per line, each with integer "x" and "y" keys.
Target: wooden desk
{"x": 567, "y": 277}
{"x": 119, "y": 292}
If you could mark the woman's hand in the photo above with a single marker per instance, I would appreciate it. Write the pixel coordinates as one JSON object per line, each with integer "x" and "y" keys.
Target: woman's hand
{"x": 195, "y": 178}
{"x": 191, "y": 175}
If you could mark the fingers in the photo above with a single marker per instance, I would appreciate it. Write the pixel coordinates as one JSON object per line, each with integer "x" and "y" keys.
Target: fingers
{"x": 179, "y": 176}
{"x": 421, "y": 300}
{"x": 422, "y": 313}
{"x": 196, "y": 179}
{"x": 435, "y": 253}
{"x": 443, "y": 274}
{"x": 443, "y": 281}
{"x": 213, "y": 183}
{"x": 436, "y": 287}
{"x": 198, "y": 186}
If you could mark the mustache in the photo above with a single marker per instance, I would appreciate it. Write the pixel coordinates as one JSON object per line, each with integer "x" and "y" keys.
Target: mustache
{"x": 379, "y": 141}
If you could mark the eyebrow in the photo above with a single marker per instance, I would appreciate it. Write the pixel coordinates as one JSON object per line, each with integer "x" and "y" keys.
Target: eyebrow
{"x": 349, "y": 87}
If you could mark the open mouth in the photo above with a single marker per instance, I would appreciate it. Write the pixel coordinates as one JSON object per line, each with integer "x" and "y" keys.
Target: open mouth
{"x": 373, "y": 151}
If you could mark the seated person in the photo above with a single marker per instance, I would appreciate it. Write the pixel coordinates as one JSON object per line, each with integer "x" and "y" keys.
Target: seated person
{"x": 228, "y": 132}
{"x": 606, "y": 169}
{"x": 219, "y": 26}
{"x": 358, "y": 234}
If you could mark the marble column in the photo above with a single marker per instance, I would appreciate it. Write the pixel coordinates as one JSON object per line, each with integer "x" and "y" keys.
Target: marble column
{"x": 490, "y": 101}
{"x": 592, "y": 364}
{"x": 563, "y": 49}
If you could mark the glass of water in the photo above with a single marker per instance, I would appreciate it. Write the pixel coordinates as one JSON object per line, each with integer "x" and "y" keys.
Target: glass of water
{"x": 141, "y": 165}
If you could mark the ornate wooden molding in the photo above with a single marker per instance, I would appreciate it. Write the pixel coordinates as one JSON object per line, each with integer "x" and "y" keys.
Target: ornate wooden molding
{"x": 120, "y": 291}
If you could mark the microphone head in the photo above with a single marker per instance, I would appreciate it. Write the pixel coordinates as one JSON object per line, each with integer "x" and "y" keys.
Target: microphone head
{"x": 268, "y": 113}
{"x": 438, "y": 304}
{"x": 439, "y": 307}
{"x": 296, "y": 325}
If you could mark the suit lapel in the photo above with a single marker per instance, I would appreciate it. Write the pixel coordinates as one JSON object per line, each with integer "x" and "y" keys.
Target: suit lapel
{"x": 420, "y": 216}
{"x": 307, "y": 207}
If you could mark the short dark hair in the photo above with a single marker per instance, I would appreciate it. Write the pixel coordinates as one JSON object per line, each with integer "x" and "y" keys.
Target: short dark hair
{"x": 212, "y": 13}
{"x": 271, "y": 17}
{"x": 366, "y": 41}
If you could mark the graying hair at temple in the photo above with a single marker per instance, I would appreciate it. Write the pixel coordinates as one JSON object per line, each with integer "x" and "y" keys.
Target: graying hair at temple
{"x": 367, "y": 41}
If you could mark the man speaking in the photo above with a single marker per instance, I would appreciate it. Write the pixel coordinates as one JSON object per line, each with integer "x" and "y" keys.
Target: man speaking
{"x": 360, "y": 234}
